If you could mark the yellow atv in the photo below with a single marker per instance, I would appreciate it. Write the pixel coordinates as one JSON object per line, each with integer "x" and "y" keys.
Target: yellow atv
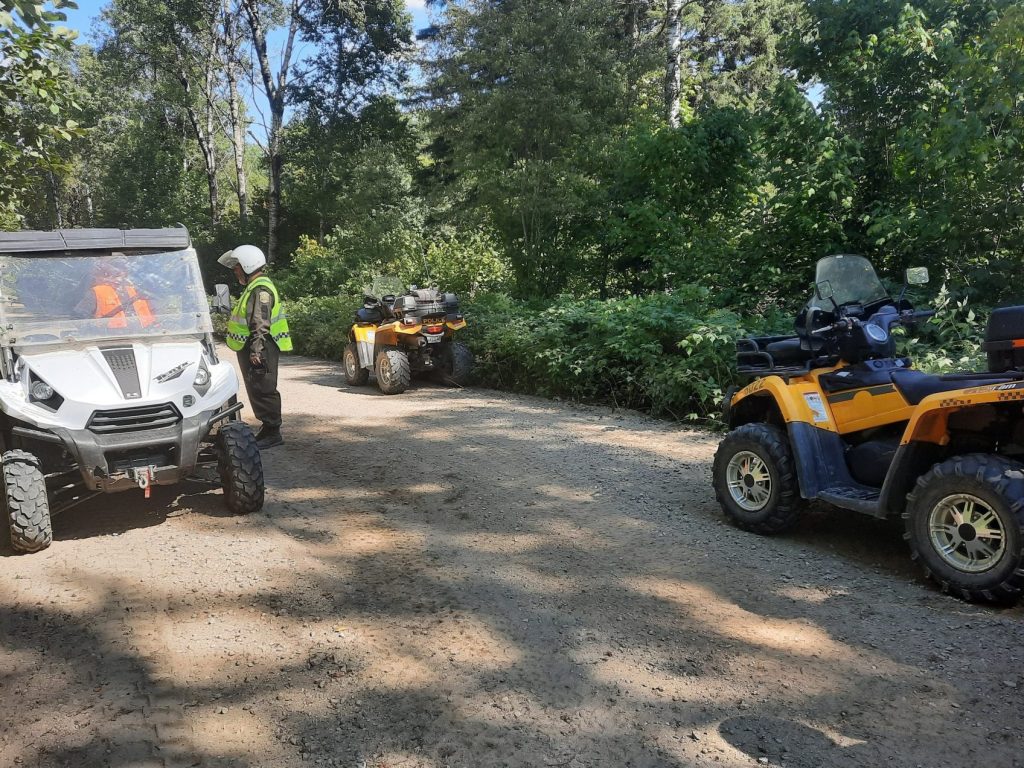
{"x": 832, "y": 414}
{"x": 399, "y": 336}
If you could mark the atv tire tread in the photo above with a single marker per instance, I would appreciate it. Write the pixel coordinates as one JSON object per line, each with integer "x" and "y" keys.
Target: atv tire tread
{"x": 362, "y": 374}
{"x": 458, "y": 365}
{"x": 784, "y": 510}
{"x": 241, "y": 468}
{"x": 1002, "y": 478}
{"x": 28, "y": 508}
{"x": 401, "y": 371}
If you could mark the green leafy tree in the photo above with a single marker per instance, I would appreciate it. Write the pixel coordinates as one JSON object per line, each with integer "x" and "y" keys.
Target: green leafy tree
{"x": 37, "y": 112}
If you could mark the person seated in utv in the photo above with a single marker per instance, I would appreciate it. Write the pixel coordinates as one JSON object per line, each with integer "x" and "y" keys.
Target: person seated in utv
{"x": 113, "y": 298}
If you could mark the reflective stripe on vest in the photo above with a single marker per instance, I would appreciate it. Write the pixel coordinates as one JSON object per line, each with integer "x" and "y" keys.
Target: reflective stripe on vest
{"x": 110, "y": 307}
{"x": 238, "y": 324}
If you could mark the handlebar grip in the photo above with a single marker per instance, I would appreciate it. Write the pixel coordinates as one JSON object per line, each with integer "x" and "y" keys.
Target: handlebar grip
{"x": 921, "y": 314}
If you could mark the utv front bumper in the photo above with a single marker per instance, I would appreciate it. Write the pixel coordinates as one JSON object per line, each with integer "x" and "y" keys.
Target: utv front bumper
{"x": 112, "y": 458}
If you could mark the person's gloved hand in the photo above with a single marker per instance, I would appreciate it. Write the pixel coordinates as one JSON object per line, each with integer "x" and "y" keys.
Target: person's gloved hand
{"x": 258, "y": 365}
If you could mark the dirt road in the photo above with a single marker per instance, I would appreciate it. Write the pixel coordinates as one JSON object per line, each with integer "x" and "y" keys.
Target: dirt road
{"x": 467, "y": 578}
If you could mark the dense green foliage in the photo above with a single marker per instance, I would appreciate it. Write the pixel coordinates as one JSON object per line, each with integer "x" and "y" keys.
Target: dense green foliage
{"x": 608, "y": 243}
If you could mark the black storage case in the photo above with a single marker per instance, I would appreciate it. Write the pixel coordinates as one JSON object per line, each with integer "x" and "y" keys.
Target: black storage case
{"x": 1004, "y": 339}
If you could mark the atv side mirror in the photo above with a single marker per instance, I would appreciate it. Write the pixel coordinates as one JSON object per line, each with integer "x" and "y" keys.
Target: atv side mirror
{"x": 917, "y": 275}
{"x": 824, "y": 290}
{"x": 221, "y": 299}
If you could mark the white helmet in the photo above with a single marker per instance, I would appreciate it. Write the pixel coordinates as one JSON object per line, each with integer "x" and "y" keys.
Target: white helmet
{"x": 248, "y": 257}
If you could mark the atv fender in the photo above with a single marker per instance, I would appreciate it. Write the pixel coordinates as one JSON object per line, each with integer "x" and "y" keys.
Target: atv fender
{"x": 364, "y": 337}
{"x": 818, "y": 450}
{"x": 927, "y": 434}
{"x": 796, "y": 401}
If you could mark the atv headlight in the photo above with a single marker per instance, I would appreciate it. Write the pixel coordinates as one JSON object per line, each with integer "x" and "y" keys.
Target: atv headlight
{"x": 41, "y": 391}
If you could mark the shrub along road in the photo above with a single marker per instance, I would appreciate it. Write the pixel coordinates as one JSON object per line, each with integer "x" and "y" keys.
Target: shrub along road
{"x": 467, "y": 578}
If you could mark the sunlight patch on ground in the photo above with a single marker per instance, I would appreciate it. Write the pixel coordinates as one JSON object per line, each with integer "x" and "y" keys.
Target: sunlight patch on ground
{"x": 794, "y": 637}
{"x": 646, "y": 684}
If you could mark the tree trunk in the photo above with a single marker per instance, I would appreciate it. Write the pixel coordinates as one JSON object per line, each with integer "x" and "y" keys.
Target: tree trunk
{"x": 275, "y": 91}
{"x": 273, "y": 187}
{"x": 234, "y": 108}
{"x": 673, "y": 46}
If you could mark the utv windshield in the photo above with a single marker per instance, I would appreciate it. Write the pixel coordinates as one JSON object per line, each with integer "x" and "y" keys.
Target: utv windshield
{"x": 852, "y": 279}
{"x": 71, "y": 299}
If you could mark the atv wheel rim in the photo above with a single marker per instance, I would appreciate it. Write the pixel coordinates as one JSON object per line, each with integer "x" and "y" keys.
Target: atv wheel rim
{"x": 385, "y": 372}
{"x": 350, "y": 364}
{"x": 967, "y": 533}
{"x": 750, "y": 482}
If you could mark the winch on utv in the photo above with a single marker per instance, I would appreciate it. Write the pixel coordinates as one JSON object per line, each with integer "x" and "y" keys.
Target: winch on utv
{"x": 399, "y": 336}
{"x": 832, "y": 414}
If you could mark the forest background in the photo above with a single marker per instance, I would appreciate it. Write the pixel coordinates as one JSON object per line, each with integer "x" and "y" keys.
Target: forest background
{"x": 617, "y": 189}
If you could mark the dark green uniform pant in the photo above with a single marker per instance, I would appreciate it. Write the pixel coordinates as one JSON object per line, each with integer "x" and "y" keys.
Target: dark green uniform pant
{"x": 262, "y": 389}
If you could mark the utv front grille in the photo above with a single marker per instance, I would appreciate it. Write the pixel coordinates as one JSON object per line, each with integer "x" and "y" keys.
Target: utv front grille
{"x": 138, "y": 419}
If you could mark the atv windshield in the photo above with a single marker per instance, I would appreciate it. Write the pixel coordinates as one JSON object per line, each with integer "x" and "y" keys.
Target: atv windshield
{"x": 852, "y": 280}
{"x": 99, "y": 297}
{"x": 384, "y": 285}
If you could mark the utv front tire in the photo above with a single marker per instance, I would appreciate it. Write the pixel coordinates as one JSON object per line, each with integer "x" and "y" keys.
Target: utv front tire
{"x": 755, "y": 480}
{"x": 964, "y": 522}
{"x": 393, "y": 371}
{"x": 355, "y": 374}
{"x": 240, "y": 468}
{"x": 456, "y": 365}
{"x": 28, "y": 508}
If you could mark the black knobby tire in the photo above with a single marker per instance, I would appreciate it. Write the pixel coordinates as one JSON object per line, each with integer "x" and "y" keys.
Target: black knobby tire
{"x": 456, "y": 365}
{"x": 240, "y": 467}
{"x": 393, "y": 371}
{"x": 999, "y": 484}
{"x": 28, "y": 507}
{"x": 783, "y": 505}
{"x": 355, "y": 374}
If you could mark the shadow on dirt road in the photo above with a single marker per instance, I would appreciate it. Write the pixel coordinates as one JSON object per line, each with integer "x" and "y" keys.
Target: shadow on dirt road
{"x": 464, "y": 578}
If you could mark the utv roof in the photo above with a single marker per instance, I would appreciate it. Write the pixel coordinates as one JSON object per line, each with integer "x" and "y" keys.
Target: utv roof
{"x": 32, "y": 241}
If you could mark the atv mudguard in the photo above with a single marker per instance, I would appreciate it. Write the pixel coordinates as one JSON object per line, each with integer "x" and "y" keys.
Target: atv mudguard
{"x": 370, "y": 339}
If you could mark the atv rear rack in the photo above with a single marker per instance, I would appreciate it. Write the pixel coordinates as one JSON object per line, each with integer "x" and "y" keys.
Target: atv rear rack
{"x": 752, "y": 359}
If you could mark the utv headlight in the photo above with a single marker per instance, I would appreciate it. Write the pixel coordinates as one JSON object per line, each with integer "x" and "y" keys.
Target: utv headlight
{"x": 41, "y": 391}
{"x": 42, "y": 394}
{"x": 201, "y": 383}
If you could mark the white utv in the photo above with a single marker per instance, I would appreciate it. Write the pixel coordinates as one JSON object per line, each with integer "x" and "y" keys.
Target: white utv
{"x": 109, "y": 379}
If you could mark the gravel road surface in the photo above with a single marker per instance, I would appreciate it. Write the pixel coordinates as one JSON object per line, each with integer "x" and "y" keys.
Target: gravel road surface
{"x": 469, "y": 578}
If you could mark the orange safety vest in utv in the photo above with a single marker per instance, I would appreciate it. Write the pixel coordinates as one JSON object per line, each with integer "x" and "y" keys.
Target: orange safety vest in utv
{"x": 110, "y": 307}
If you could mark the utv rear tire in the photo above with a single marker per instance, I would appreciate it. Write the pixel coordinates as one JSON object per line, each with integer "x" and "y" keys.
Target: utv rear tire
{"x": 240, "y": 468}
{"x": 965, "y": 526}
{"x": 456, "y": 365}
{"x": 393, "y": 371}
{"x": 755, "y": 480}
{"x": 355, "y": 374}
{"x": 28, "y": 508}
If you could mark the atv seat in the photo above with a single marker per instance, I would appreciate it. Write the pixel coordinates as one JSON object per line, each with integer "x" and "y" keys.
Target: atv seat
{"x": 915, "y": 386}
{"x": 788, "y": 352}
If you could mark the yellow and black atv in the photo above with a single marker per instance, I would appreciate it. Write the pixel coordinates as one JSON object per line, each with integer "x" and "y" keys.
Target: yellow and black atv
{"x": 832, "y": 414}
{"x": 399, "y": 336}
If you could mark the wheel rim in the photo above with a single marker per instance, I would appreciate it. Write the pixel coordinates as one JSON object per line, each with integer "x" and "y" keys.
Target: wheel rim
{"x": 385, "y": 371}
{"x": 750, "y": 482}
{"x": 967, "y": 533}
{"x": 350, "y": 364}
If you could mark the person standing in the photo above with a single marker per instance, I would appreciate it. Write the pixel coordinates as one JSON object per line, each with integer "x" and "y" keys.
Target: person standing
{"x": 258, "y": 333}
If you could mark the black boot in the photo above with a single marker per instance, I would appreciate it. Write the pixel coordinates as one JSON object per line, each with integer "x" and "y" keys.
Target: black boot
{"x": 269, "y": 437}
